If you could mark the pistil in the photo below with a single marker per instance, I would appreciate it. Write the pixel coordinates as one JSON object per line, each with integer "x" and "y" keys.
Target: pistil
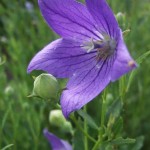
{"x": 104, "y": 48}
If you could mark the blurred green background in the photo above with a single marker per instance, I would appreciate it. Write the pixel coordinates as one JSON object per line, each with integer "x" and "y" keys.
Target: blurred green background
{"x": 23, "y": 32}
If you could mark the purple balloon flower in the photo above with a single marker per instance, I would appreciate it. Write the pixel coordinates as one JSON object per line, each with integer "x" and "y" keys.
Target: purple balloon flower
{"x": 91, "y": 51}
{"x": 57, "y": 143}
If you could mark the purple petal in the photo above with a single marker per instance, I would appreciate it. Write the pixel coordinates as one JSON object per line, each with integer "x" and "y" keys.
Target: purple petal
{"x": 86, "y": 85}
{"x": 56, "y": 143}
{"x": 69, "y": 19}
{"x": 104, "y": 17}
{"x": 123, "y": 62}
{"x": 61, "y": 58}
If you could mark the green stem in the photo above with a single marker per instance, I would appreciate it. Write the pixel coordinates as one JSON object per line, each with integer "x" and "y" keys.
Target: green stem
{"x": 103, "y": 113}
{"x": 122, "y": 88}
{"x": 86, "y": 130}
{"x": 82, "y": 130}
{"x": 97, "y": 144}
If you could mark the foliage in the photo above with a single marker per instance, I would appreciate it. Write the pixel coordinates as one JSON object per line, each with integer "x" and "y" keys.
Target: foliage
{"x": 22, "y": 34}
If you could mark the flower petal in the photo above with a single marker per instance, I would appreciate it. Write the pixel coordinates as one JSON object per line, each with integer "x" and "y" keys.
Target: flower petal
{"x": 69, "y": 18}
{"x": 61, "y": 58}
{"x": 85, "y": 85}
{"x": 57, "y": 143}
{"x": 123, "y": 62}
{"x": 103, "y": 16}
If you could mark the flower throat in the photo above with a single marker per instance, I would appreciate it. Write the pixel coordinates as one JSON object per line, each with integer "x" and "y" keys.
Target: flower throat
{"x": 104, "y": 48}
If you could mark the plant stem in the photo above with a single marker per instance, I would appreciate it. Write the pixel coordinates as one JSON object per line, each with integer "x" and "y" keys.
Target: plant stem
{"x": 82, "y": 130}
{"x": 86, "y": 130}
{"x": 122, "y": 88}
{"x": 102, "y": 121}
{"x": 103, "y": 113}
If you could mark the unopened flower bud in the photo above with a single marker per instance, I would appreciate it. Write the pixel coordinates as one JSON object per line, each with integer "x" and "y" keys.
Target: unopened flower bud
{"x": 46, "y": 86}
{"x": 109, "y": 97}
{"x": 2, "y": 60}
{"x": 57, "y": 119}
{"x": 9, "y": 90}
{"x": 67, "y": 127}
{"x": 120, "y": 17}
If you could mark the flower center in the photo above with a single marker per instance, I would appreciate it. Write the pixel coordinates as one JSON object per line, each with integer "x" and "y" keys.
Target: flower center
{"x": 104, "y": 48}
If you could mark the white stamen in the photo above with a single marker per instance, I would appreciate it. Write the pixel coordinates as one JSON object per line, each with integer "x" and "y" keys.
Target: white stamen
{"x": 105, "y": 47}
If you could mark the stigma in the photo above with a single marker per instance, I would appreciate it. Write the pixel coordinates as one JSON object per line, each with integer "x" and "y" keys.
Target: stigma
{"x": 104, "y": 48}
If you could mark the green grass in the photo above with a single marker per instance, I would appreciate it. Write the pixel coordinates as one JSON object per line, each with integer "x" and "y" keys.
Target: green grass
{"x": 22, "y": 34}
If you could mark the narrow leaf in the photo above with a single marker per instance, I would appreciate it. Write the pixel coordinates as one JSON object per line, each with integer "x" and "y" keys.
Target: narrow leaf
{"x": 139, "y": 61}
{"x": 139, "y": 143}
{"x": 143, "y": 57}
{"x": 78, "y": 142}
{"x": 118, "y": 126}
{"x": 2, "y": 60}
{"x": 90, "y": 121}
{"x": 120, "y": 141}
{"x": 115, "y": 108}
{"x": 8, "y": 146}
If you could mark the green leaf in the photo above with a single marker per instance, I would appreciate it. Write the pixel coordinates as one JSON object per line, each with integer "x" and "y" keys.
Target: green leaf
{"x": 90, "y": 121}
{"x": 115, "y": 108}
{"x": 112, "y": 115}
{"x": 143, "y": 57}
{"x": 8, "y": 146}
{"x": 139, "y": 61}
{"x": 78, "y": 143}
{"x": 118, "y": 126}
{"x": 121, "y": 141}
{"x": 2, "y": 60}
{"x": 136, "y": 146}
{"x": 139, "y": 143}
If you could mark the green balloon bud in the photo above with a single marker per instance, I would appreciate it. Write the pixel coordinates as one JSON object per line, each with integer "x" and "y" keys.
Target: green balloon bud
{"x": 57, "y": 119}
{"x": 120, "y": 17}
{"x": 46, "y": 86}
{"x": 67, "y": 127}
{"x": 9, "y": 91}
{"x": 2, "y": 60}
